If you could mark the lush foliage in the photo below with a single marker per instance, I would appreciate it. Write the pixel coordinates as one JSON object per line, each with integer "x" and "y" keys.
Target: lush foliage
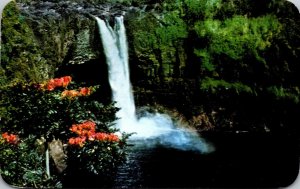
{"x": 39, "y": 113}
{"x": 159, "y": 40}
{"x": 224, "y": 64}
{"x": 22, "y": 163}
{"x": 89, "y": 144}
{"x": 243, "y": 52}
{"x": 21, "y": 57}
{"x": 232, "y": 43}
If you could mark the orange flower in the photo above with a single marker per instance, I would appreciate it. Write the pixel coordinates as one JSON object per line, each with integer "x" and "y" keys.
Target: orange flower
{"x": 73, "y": 93}
{"x": 58, "y": 82}
{"x": 72, "y": 141}
{"x": 100, "y": 136}
{"x": 5, "y": 135}
{"x": 70, "y": 94}
{"x": 113, "y": 138}
{"x": 64, "y": 93}
{"x": 66, "y": 80}
{"x": 78, "y": 141}
{"x": 74, "y": 128}
{"x": 51, "y": 85}
{"x": 89, "y": 125}
{"x": 85, "y": 91}
{"x": 106, "y": 137}
{"x": 86, "y": 128}
{"x": 10, "y": 138}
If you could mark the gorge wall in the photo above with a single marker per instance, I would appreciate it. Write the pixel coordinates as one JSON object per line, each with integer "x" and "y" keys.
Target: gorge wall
{"x": 227, "y": 63}
{"x": 67, "y": 35}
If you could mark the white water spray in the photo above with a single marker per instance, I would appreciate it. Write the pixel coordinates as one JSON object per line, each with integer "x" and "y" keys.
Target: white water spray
{"x": 151, "y": 129}
{"x": 116, "y": 52}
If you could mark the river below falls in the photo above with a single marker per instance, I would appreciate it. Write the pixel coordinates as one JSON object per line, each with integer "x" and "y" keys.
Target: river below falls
{"x": 239, "y": 161}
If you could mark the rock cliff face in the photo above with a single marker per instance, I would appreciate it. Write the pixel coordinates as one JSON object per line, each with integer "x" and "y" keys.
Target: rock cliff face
{"x": 66, "y": 30}
{"x": 68, "y": 36}
{"x": 195, "y": 59}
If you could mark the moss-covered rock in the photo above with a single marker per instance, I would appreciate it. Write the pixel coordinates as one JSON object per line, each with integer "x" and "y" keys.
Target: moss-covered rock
{"x": 21, "y": 57}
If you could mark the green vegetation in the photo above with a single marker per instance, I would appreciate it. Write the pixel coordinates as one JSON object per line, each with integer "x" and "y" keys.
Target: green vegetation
{"x": 224, "y": 64}
{"x": 212, "y": 85}
{"x": 236, "y": 45}
{"x": 23, "y": 166}
{"x": 35, "y": 116}
{"x": 159, "y": 40}
{"x": 236, "y": 51}
{"x": 20, "y": 55}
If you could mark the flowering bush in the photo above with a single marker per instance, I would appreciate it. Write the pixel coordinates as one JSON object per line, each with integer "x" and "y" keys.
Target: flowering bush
{"x": 22, "y": 164}
{"x": 10, "y": 138}
{"x": 85, "y": 91}
{"x": 86, "y": 130}
{"x": 96, "y": 147}
{"x": 57, "y": 82}
{"x": 55, "y": 110}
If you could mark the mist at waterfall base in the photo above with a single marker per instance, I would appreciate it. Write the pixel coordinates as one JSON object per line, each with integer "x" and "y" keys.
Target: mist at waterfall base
{"x": 156, "y": 129}
{"x": 150, "y": 129}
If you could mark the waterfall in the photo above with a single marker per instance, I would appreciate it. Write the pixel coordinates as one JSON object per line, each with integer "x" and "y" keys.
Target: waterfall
{"x": 116, "y": 52}
{"x": 152, "y": 128}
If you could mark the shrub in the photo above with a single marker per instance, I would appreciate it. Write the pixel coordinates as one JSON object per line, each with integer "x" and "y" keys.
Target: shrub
{"x": 57, "y": 109}
{"x": 22, "y": 165}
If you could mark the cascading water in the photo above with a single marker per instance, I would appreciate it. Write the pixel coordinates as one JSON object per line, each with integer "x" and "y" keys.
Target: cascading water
{"x": 150, "y": 129}
{"x": 115, "y": 49}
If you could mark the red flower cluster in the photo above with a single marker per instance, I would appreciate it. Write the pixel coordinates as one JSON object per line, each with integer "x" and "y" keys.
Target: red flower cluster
{"x": 70, "y": 94}
{"x": 106, "y": 137}
{"x": 85, "y": 91}
{"x": 78, "y": 141}
{"x": 10, "y": 138}
{"x": 58, "y": 82}
{"x": 87, "y": 130}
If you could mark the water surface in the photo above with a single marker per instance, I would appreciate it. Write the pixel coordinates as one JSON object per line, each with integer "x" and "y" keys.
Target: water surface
{"x": 239, "y": 160}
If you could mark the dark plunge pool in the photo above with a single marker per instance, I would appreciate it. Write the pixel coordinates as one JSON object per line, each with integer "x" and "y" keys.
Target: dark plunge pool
{"x": 240, "y": 160}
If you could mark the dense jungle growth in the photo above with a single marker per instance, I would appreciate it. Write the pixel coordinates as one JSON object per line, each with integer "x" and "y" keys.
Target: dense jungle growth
{"x": 219, "y": 65}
